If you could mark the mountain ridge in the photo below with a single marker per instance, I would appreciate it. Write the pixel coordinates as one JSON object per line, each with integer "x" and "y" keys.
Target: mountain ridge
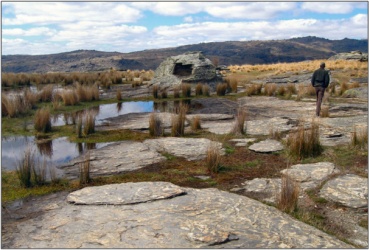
{"x": 226, "y": 53}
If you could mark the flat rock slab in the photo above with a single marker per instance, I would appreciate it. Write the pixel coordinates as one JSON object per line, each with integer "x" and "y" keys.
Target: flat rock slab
{"x": 348, "y": 190}
{"x": 265, "y": 189}
{"x": 115, "y": 158}
{"x": 267, "y": 146}
{"x": 266, "y": 126}
{"x": 189, "y": 148}
{"x": 125, "y": 194}
{"x": 312, "y": 174}
{"x": 203, "y": 218}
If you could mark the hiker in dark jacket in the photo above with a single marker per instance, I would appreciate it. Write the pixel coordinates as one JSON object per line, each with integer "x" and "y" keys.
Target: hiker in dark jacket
{"x": 320, "y": 80}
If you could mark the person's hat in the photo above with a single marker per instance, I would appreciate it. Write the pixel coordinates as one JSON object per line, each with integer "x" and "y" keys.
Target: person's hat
{"x": 322, "y": 65}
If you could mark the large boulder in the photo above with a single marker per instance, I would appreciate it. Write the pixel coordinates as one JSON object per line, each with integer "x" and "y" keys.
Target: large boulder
{"x": 190, "y": 67}
{"x": 353, "y": 55}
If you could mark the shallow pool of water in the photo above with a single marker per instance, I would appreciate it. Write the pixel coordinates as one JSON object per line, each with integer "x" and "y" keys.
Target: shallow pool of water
{"x": 55, "y": 152}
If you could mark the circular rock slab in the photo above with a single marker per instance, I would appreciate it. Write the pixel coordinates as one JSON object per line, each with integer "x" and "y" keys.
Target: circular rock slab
{"x": 348, "y": 190}
{"x": 267, "y": 146}
{"x": 124, "y": 194}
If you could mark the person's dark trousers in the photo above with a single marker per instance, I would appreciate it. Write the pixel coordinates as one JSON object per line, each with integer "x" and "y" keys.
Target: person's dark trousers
{"x": 319, "y": 95}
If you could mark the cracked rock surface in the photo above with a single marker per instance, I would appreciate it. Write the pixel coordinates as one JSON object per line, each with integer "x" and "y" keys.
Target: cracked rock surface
{"x": 200, "y": 218}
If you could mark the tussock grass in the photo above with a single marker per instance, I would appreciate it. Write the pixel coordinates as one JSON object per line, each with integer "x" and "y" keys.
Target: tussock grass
{"x": 232, "y": 84}
{"x": 324, "y": 111}
{"x": 176, "y": 92}
{"x": 89, "y": 126}
{"x": 164, "y": 94}
{"x": 13, "y": 106}
{"x": 240, "y": 118}
{"x": 281, "y": 90}
{"x": 79, "y": 128}
{"x": 195, "y": 123}
{"x": 24, "y": 168}
{"x": 30, "y": 98}
{"x": 155, "y": 125}
{"x": 155, "y": 91}
{"x": 213, "y": 159}
{"x": 288, "y": 199}
{"x": 206, "y": 90}
{"x": 46, "y": 94}
{"x": 178, "y": 121}
{"x": 302, "y": 143}
{"x": 221, "y": 89}
{"x": 291, "y": 88}
{"x": 360, "y": 137}
{"x": 270, "y": 89}
{"x": 69, "y": 97}
{"x": 119, "y": 95}
{"x": 39, "y": 173}
{"x": 199, "y": 89}
{"x": 42, "y": 122}
{"x": 186, "y": 90}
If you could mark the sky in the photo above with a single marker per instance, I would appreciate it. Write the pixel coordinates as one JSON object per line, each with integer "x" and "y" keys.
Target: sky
{"x": 36, "y": 28}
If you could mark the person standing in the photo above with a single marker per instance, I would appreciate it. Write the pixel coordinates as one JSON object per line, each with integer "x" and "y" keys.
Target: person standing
{"x": 320, "y": 80}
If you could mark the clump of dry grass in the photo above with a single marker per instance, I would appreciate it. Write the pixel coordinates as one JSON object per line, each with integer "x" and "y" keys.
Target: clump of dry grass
{"x": 186, "y": 90}
{"x": 304, "y": 143}
{"x": 343, "y": 87}
{"x": 291, "y": 88}
{"x": 221, "y": 89}
{"x": 30, "y": 98}
{"x": 155, "y": 91}
{"x": 79, "y": 128}
{"x": 253, "y": 89}
{"x": 178, "y": 121}
{"x": 42, "y": 121}
{"x": 119, "y": 95}
{"x": 240, "y": 118}
{"x": 155, "y": 125}
{"x": 206, "y": 90}
{"x": 274, "y": 134}
{"x": 89, "y": 126}
{"x": 288, "y": 199}
{"x": 176, "y": 92}
{"x": 232, "y": 84}
{"x": 12, "y": 106}
{"x": 270, "y": 89}
{"x": 360, "y": 137}
{"x": 164, "y": 94}
{"x": 324, "y": 111}
{"x": 69, "y": 97}
{"x": 199, "y": 89}
{"x": 46, "y": 93}
{"x": 39, "y": 173}
{"x": 24, "y": 168}
{"x": 195, "y": 123}
{"x": 213, "y": 159}
{"x": 281, "y": 90}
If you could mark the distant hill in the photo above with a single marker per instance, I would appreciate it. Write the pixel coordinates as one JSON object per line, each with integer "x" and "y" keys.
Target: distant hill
{"x": 227, "y": 53}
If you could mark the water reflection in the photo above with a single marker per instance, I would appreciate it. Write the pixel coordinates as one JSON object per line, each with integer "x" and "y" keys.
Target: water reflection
{"x": 57, "y": 151}
{"x": 103, "y": 112}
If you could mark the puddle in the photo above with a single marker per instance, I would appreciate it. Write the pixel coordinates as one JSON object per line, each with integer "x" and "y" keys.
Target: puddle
{"x": 60, "y": 150}
{"x": 56, "y": 152}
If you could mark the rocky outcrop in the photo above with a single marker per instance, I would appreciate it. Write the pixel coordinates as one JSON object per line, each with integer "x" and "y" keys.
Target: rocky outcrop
{"x": 190, "y": 67}
{"x": 159, "y": 215}
{"x": 353, "y": 55}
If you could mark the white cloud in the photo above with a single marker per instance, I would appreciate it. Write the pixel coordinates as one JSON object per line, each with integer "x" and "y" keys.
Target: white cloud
{"x": 69, "y": 12}
{"x": 39, "y": 31}
{"x": 188, "y": 19}
{"x": 329, "y": 7}
{"x": 226, "y": 10}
